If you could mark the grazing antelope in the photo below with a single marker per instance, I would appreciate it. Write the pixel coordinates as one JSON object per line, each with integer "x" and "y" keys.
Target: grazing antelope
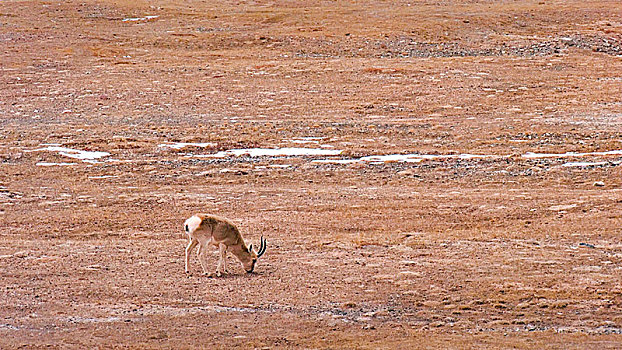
{"x": 204, "y": 229}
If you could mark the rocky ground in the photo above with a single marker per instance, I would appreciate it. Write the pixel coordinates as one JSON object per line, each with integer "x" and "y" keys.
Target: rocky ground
{"x": 427, "y": 174}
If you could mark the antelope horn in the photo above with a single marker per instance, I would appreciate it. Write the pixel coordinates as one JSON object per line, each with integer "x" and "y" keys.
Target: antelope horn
{"x": 262, "y": 247}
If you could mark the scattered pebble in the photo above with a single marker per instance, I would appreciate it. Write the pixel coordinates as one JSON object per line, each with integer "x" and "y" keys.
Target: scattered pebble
{"x": 21, "y": 254}
{"x": 408, "y": 262}
{"x": 408, "y": 172}
{"x": 587, "y": 245}
{"x": 412, "y": 234}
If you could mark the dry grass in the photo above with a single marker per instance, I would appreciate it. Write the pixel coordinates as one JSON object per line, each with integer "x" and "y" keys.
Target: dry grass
{"x": 502, "y": 252}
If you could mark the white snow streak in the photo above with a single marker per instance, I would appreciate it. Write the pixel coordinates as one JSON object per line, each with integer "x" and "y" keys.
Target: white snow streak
{"x": 274, "y": 152}
{"x": 180, "y": 145}
{"x": 85, "y": 156}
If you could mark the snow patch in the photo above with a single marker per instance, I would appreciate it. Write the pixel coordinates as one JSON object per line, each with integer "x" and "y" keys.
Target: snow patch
{"x": 416, "y": 158}
{"x": 403, "y": 158}
{"x": 562, "y": 207}
{"x": 84, "y": 156}
{"x": 315, "y": 140}
{"x": 138, "y": 19}
{"x": 275, "y": 152}
{"x": 571, "y": 154}
{"x": 180, "y": 145}
{"x": 583, "y": 164}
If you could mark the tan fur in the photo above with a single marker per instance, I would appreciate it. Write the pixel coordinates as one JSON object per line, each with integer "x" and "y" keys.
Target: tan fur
{"x": 206, "y": 229}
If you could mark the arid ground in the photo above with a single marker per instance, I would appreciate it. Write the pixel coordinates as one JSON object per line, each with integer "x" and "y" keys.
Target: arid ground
{"x": 428, "y": 174}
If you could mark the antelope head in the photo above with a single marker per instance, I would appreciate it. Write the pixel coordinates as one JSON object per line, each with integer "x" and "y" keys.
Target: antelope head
{"x": 249, "y": 265}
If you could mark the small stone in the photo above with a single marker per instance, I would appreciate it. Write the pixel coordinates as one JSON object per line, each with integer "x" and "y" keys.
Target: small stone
{"x": 409, "y": 262}
{"x": 234, "y": 171}
{"x": 599, "y": 184}
{"x": 412, "y": 234}
{"x": 499, "y": 322}
{"x": 349, "y": 305}
{"x": 587, "y": 245}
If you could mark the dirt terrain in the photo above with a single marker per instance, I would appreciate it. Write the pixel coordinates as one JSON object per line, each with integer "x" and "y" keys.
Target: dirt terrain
{"x": 428, "y": 174}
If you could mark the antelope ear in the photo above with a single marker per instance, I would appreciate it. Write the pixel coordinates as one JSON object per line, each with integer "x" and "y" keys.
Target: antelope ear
{"x": 250, "y": 248}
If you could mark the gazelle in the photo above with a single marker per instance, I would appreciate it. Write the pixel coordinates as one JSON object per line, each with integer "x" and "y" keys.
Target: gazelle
{"x": 204, "y": 229}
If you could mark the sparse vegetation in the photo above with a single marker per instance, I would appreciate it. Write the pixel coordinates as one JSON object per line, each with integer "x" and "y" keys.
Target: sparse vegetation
{"x": 506, "y": 251}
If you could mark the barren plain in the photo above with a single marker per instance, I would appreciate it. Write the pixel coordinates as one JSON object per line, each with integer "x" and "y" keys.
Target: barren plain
{"x": 428, "y": 174}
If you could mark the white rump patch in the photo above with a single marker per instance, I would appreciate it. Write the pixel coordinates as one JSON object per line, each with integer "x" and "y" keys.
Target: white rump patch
{"x": 192, "y": 223}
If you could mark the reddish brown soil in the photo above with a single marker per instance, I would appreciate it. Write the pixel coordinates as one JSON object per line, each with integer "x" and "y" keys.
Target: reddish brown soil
{"x": 498, "y": 252}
